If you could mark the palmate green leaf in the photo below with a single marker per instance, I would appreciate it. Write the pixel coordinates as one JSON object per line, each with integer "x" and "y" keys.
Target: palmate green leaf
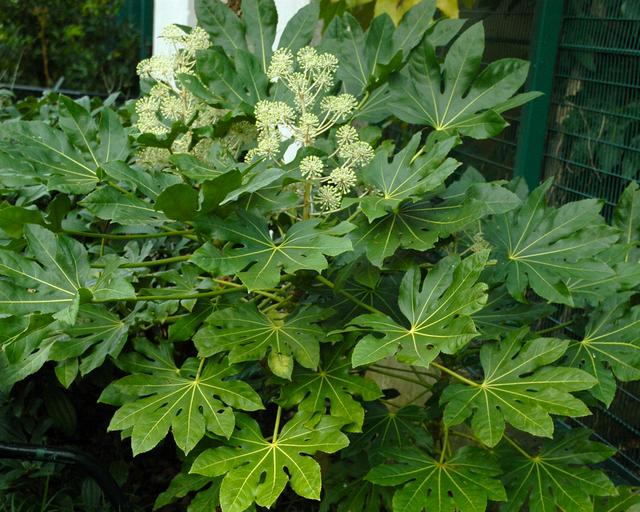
{"x": 301, "y": 27}
{"x": 189, "y": 400}
{"x": 419, "y": 225}
{"x": 557, "y": 477}
{"x": 247, "y": 334}
{"x": 463, "y": 483}
{"x": 610, "y": 346}
{"x": 96, "y": 335}
{"x": 625, "y": 277}
{"x": 225, "y": 28}
{"x": 146, "y": 182}
{"x": 261, "y": 18}
{"x": 50, "y": 280}
{"x": 471, "y": 101}
{"x": 109, "y": 204}
{"x": 257, "y": 258}
{"x": 519, "y": 387}
{"x": 628, "y": 500}
{"x": 385, "y": 430}
{"x": 543, "y": 247}
{"x": 184, "y": 484}
{"x": 333, "y": 383}
{"x": 409, "y": 175}
{"x": 626, "y": 218}
{"x": 60, "y": 164}
{"x": 254, "y": 467}
{"x": 437, "y": 310}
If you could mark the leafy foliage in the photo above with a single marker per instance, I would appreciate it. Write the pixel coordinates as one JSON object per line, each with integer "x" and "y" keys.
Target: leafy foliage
{"x": 242, "y": 249}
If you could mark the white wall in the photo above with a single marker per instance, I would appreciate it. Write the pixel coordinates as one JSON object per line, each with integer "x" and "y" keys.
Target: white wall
{"x": 182, "y": 12}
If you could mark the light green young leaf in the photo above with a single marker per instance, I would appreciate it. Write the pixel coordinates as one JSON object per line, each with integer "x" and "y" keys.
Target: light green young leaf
{"x": 437, "y": 310}
{"x": 519, "y": 387}
{"x": 410, "y": 174}
{"x": 248, "y": 334}
{"x": 254, "y": 467}
{"x": 189, "y": 400}
{"x": 558, "y": 476}
{"x": 257, "y": 258}
{"x": 463, "y": 483}
{"x": 48, "y": 283}
{"x": 543, "y": 247}
{"x": 333, "y": 383}
{"x": 471, "y": 101}
{"x": 610, "y": 346}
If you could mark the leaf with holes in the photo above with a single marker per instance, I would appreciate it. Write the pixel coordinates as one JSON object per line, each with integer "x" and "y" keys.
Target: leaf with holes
{"x": 254, "y": 468}
{"x": 190, "y": 400}
{"x": 542, "y": 247}
{"x": 257, "y": 258}
{"x": 610, "y": 346}
{"x": 333, "y": 383}
{"x": 471, "y": 101}
{"x": 463, "y": 483}
{"x": 247, "y": 334}
{"x": 519, "y": 387}
{"x": 437, "y": 310}
{"x": 557, "y": 477}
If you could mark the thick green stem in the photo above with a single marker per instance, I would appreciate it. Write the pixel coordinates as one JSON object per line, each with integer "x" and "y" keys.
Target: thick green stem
{"x": 454, "y": 374}
{"x": 445, "y": 443}
{"x": 276, "y": 427}
{"x": 131, "y": 236}
{"x": 177, "y": 296}
{"x": 150, "y": 263}
{"x": 554, "y": 327}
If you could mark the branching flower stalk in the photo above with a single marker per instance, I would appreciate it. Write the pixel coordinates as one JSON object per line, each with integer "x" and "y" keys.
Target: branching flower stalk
{"x": 308, "y": 77}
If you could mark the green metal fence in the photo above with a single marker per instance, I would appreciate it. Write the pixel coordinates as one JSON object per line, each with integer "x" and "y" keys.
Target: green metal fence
{"x": 585, "y": 131}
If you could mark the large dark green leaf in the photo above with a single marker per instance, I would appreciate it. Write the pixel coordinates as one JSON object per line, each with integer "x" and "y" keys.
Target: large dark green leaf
{"x": 261, "y": 18}
{"x": 463, "y": 483}
{"x": 519, "y": 387}
{"x": 254, "y": 467}
{"x": 224, "y": 27}
{"x": 331, "y": 383}
{"x": 301, "y": 27}
{"x": 257, "y": 258}
{"x": 542, "y": 247}
{"x": 437, "y": 310}
{"x": 189, "y": 400}
{"x": 558, "y": 476}
{"x": 610, "y": 346}
{"x": 110, "y": 204}
{"x": 471, "y": 101}
{"x": 248, "y": 334}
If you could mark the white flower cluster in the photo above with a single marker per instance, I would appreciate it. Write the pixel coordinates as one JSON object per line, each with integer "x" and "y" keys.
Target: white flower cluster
{"x": 308, "y": 75}
{"x": 168, "y": 101}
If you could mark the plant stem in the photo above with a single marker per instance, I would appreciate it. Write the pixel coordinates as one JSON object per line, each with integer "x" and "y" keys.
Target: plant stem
{"x": 202, "y": 359}
{"x": 445, "y": 442}
{"x": 184, "y": 296}
{"x": 516, "y": 446}
{"x": 349, "y": 296}
{"x": 150, "y": 263}
{"x": 555, "y": 327}
{"x": 405, "y": 370}
{"x": 306, "y": 210}
{"x": 276, "y": 427}
{"x": 399, "y": 377}
{"x": 454, "y": 374}
{"x": 257, "y": 292}
{"x": 132, "y": 236}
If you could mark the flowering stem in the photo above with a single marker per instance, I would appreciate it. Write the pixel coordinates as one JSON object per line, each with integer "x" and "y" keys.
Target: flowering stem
{"x": 306, "y": 210}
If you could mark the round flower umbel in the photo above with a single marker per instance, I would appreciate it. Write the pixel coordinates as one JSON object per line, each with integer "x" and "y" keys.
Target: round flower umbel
{"x": 309, "y": 76}
{"x": 167, "y": 101}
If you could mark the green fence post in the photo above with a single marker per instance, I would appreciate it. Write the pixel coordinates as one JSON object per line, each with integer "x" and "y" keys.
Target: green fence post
{"x": 533, "y": 124}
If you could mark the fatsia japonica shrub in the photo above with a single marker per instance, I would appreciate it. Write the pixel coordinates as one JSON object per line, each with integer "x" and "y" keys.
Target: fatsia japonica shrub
{"x": 306, "y": 302}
